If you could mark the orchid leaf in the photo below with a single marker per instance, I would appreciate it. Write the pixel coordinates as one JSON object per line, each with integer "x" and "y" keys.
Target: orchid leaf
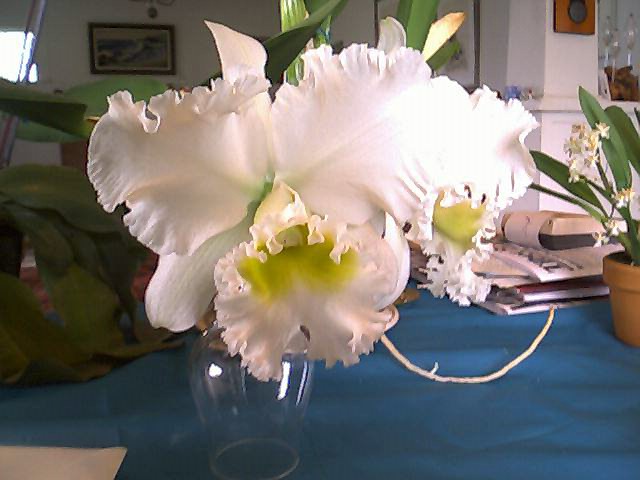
{"x": 94, "y": 94}
{"x": 87, "y": 100}
{"x": 559, "y": 173}
{"x": 120, "y": 266}
{"x": 314, "y": 5}
{"x": 46, "y": 240}
{"x": 573, "y": 200}
{"x": 282, "y": 49}
{"x": 26, "y": 330}
{"x": 87, "y": 307}
{"x": 629, "y": 134}
{"x": 417, "y": 16}
{"x": 34, "y": 132}
{"x": 51, "y": 110}
{"x": 292, "y": 13}
{"x": 61, "y": 189}
{"x": 442, "y": 56}
{"x": 613, "y": 146}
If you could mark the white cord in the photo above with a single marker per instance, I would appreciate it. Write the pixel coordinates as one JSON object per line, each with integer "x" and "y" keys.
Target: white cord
{"x": 431, "y": 375}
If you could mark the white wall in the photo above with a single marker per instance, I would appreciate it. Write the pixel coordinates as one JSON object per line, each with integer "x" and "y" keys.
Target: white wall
{"x": 63, "y": 54}
{"x": 494, "y": 43}
{"x": 63, "y": 51}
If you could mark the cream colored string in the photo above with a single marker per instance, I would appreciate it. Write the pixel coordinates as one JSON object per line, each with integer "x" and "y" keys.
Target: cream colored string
{"x": 431, "y": 375}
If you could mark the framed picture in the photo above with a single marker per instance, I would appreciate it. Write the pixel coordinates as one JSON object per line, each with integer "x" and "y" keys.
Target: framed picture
{"x": 132, "y": 49}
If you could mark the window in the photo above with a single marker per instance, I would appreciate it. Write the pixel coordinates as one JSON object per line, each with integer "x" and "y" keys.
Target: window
{"x": 13, "y": 45}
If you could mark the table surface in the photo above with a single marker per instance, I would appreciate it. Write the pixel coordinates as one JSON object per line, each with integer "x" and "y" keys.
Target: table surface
{"x": 572, "y": 411}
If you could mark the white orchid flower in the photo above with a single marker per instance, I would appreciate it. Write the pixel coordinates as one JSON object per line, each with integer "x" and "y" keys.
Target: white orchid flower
{"x": 307, "y": 283}
{"x": 194, "y": 169}
{"x": 480, "y": 167}
{"x": 472, "y": 150}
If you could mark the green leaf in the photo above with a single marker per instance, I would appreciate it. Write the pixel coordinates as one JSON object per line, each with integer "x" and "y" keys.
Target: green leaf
{"x": 629, "y": 134}
{"x": 613, "y": 146}
{"x": 94, "y": 95}
{"x": 120, "y": 267}
{"x": 51, "y": 110}
{"x": 575, "y": 201}
{"x": 315, "y": 5}
{"x": 417, "y": 16}
{"x": 34, "y": 132}
{"x": 47, "y": 241}
{"x": 61, "y": 189}
{"x": 292, "y": 13}
{"x": 26, "y": 335}
{"x": 637, "y": 112}
{"x": 559, "y": 173}
{"x": 444, "y": 54}
{"x": 323, "y": 34}
{"x": 89, "y": 308}
{"x": 285, "y": 47}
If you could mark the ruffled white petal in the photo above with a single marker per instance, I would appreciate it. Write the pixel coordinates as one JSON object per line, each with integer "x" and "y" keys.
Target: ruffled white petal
{"x": 187, "y": 167}
{"x": 476, "y": 143}
{"x": 449, "y": 266}
{"x": 392, "y": 36}
{"x": 474, "y": 152}
{"x": 182, "y": 286}
{"x": 239, "y": 54}
{"x": 395, "y": 238}
{"x": 338, "y": 323}
{"x": 346, "y": 137}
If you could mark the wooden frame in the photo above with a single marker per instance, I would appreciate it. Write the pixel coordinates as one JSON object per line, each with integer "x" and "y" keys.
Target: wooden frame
{"x": 123, "y": 48}
{"x": 564, "y": 23}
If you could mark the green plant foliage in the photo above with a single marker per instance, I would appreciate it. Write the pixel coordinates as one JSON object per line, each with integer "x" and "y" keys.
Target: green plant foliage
{"x": 622, "y": 151}
{"x": 87, "y": 262}
{"x": 283, "y": 48}
{"x": 613, "y": 146}
{"x": 94, "y": 94}
{"x": 444, "y": 54}
{"x": 62, "y": 118}
{"x": 623, "y": 124}
{"x": 63, "y": 189}
{"x": 417, "y": 16}
{"x": 573, "y": 200}
{"x": 292, "y": 12}
{"x": 559, "y": 173}
{"x": 56, "y": 111}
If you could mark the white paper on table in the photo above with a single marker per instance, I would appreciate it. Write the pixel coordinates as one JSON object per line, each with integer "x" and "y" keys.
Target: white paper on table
{"x": 44, "y": 463}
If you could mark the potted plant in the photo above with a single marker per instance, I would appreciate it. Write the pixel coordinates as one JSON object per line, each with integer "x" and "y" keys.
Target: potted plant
{"x": 598, "y": 178}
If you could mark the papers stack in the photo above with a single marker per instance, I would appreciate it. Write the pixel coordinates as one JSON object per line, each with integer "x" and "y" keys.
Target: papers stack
{"x": 526, "y": 277}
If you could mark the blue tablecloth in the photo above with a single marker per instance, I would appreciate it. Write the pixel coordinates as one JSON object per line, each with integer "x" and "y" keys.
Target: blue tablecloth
{"x": 572, "y": 411}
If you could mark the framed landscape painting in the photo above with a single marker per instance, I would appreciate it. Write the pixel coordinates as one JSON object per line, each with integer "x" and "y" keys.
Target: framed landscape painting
{"x": 132, "y": 49}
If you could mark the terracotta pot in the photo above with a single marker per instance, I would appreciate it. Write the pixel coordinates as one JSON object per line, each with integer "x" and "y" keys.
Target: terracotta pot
{"x": 623, "y": 280}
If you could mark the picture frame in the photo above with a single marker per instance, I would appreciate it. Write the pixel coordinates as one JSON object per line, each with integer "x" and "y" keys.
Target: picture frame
{"x": 132, "y": 49}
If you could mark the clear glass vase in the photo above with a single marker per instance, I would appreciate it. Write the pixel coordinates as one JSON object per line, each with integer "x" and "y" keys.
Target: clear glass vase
{"x": 253, "y": 427}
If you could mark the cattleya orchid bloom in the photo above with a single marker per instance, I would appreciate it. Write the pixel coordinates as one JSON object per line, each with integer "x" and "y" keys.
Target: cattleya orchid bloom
{"x": 291, "y": 210}
{"x": 478, "y": 166}
{"x": 204, "y": 176}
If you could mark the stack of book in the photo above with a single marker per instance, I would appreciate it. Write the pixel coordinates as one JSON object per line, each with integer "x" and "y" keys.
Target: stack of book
{"x": 528, "y": 276}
